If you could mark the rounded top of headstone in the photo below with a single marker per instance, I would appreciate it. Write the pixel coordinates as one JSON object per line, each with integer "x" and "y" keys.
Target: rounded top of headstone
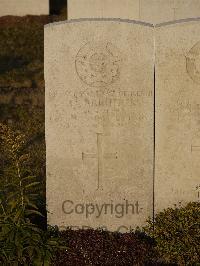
{"x": 179, "y": 21}
{"x": 82, "y": 20}
{"x": 136, "y": 22}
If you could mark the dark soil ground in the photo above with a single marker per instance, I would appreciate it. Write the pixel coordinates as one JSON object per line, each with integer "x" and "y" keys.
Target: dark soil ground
{"x": 92, "y": 247}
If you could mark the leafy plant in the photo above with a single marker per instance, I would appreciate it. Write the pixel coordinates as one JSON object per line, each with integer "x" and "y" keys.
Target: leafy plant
{"x": 30, "y": 121}
{"x": 177, "y": 234}
{"x": 21, "y": 241}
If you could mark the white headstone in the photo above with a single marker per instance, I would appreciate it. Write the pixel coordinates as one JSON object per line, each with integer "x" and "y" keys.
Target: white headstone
{"x": 159, "y": 11}
{"x": 124, "y": 9}
{"x": 99, "y": 123}
{"x": 152, "y": 11}
{"x": 24, "y": 7}
{"x": 177, "y": 174}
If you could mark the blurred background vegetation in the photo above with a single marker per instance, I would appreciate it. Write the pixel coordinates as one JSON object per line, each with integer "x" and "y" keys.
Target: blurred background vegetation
{"x": 22, "y": 86}
{"x": 22, "y": 49}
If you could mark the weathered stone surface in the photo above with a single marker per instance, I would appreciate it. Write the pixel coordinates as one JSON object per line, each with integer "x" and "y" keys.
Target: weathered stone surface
{"x": 177, "y": 174}
{"x": 99, "y": 123}
{"x": 152, "y": 11}
{"x": 126, "y": 9}
{"x": 158, "y": 11}
{"x": 24, "y": 7}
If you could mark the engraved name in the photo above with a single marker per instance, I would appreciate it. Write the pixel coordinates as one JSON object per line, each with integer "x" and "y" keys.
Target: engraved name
{"x": 112, "y": 99}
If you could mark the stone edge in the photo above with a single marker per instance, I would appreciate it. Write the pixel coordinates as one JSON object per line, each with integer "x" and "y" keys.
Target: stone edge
{"x": 137, "y": 22}
{"x": 174, "y": 22}
{"x": 100, "y": 19}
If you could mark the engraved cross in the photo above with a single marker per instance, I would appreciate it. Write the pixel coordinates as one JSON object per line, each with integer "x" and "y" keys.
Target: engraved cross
{"x": 100, "y": 156}
{"x": 174, "y": 9}
{"x": 176, "y": 6}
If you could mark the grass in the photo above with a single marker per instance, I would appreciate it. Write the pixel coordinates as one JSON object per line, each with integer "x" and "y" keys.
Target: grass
{"x": 22, "y": 50}
{"x": 22, "y": 47}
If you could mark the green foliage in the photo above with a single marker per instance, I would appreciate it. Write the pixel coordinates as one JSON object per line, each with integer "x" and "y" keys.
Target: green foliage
{"x": 177, "y": 234}
{"x": 30, "y": 121}
{"x": 21, "y": 242}
{"x": 25, "y": 244}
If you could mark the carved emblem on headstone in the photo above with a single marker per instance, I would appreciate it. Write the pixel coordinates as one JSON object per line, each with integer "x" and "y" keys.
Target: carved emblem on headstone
{"x": 193, "y": 63}
{"x": 98, "y": 64}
